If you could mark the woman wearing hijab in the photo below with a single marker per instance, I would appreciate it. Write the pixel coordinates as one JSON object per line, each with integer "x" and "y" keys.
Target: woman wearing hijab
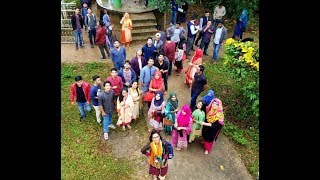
{"x": 241, "y": 25}
{"x": 192, "y": 68}
{"x": 182, "y": 127}
{"x": 126, "y": 22}
{"x": 158, "y": 152}
{"x": 213, "y": 124}
{"x": 198, "y": 116}
{"x": 156, "y": 110}
{"x": 157, "y": 82}
{"x": 208, "y": 97}
{"x": 170, "y": 111}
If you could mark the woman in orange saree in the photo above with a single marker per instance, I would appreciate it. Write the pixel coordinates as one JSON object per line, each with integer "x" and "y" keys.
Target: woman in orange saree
{"x": 126, "y": 22}
{"x": 193, "y": 64}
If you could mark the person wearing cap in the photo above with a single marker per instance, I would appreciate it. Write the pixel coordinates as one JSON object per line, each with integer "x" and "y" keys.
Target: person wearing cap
{"x": 220, "y": 35}
{"x": 158, "y": 43}
{"x": 80, "y": 92}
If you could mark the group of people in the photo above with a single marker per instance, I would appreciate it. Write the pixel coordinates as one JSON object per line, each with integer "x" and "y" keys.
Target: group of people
{"x": 144, "y": 79}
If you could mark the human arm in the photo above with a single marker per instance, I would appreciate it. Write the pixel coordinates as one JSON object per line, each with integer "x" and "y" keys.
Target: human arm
{"x": 146, "y": 150}
{"x": 200, "y": 24}
{"x": 192, "y": 27}
{"x": 72, "y": 94}
{"x": 223, "y": 11}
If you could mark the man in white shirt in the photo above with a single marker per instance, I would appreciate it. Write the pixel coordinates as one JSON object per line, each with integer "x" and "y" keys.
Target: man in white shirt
{"x": 220, "y": 35}
{"x": 218, "y": 13}
{"x": 192, "y": 31}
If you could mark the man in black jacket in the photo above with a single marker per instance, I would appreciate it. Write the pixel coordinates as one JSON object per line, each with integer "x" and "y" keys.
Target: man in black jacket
{"x": 77, "y": 25}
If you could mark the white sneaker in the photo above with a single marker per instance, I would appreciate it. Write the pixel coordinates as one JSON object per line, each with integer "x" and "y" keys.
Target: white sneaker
{"x": 112, "y": 126}
{"x": 106, "y": 137}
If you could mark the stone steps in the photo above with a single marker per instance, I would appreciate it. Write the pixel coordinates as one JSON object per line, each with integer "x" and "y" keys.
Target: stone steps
{"x": 143, "y": 26}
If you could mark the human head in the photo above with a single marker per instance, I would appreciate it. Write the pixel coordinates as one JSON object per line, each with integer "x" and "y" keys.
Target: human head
{"x": 96, "y": 79}
{"x": 194, "y": 17}
{"x": 200, "y": 69}
{"x": 158, "y": 96}
{"x": 116, "y": 43}
{"x": 158, "y": 27}
{"x": 77, "y": 11}
{"x": 201, "y": 105}
{"x": 155, "y": 136}
{"x": 177, "y": 25}
{"x": 158, "y": 35}
{"x": 127, "y": 64}
{"x": 168, "y": 38}
{"x": 157, "y": 74}
{"x": 105, "y": 11}
{"x": 78, "y": 80}
{"x": 149, "y": 41}
{"x": 89, "y": 11}
{"x": 185, "y": 110}
{"x": 220, "y": 23}
{"x": 139, "y": 51}
{"x": 124, "y": 93}
{"x": 220, "y": 5}
{"x": 113, "y": 72}
{"x": 85, "y": 5}
{"x": 161, "y": 56}
{"x": 209, "y": 23}
{"x": 107, "y": 85}
{"x": 134, "y": 84}
{"x": 126, "y": 15}
{"x": 206, "y": 13}
{"x": 172, "y": 96}
{"x": 100, "y": 23}
{"x": 150, "y": 61}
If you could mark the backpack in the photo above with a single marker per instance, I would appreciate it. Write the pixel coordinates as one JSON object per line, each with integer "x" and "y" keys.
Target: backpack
{"x": 170, "y": 148}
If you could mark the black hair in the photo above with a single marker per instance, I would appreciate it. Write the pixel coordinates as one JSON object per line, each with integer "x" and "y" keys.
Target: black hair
{"x": 154, "y": 131}
{"x": 120, "y": 95}
{"x": 161, "y": 53}
{"x": 95, "y": 77}
{"x": 150, "y": 58}
{"x": 127, "y": 61}
{"x": 168, "y": 38}
{"x": 104, "y": 83}
{"x": 206, "y": 11}
{"x": 137, "y": 86}
{"x": 149, "y": 38}
{"x": 201, "y": 68}
{"x": 203, "y": 108}
{"x": 178, "y": 23}
{"x": 101, "y": 23}
{"x": 158, "y": 27}
{"x": 194, "y": 16}
{"x": 78, "y": 78}
{"x": 113, "y": 69}
{"x": 115, "y": 40}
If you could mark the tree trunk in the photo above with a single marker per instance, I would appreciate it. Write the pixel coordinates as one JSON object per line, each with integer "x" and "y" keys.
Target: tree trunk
{"x": 164, "y": 21}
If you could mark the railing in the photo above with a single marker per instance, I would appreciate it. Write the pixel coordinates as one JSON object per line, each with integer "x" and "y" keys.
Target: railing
{"x": 67, "y": 10}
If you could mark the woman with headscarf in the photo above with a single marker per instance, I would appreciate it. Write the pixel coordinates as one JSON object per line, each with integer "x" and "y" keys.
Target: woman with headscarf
{"x": 213, "y": 124}
{"x": 192, "y": 68}
{"x": 124, "y": 109}
{"x": 241, "y": 25}
{"x": 135, "y": 92}
{"x": 126, "y": 22}
{"x": 208, "y": 97}
{"x": 182, "y": 128}
{"x": 198, "y": 116}
{"x": 157, "y": 82}
{"x": 156, "y": 111}
{"x": 157, "y": 149}
{"x": 170, "y": 111}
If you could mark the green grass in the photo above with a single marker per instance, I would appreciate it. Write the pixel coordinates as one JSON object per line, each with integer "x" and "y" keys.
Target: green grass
{"x": 241, "y": 126}
{"x": 84, "y": 155}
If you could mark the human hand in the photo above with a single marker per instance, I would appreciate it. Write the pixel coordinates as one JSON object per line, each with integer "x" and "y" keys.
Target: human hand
{"x": 72, "y": 103}
{"x": 114, "y": 87}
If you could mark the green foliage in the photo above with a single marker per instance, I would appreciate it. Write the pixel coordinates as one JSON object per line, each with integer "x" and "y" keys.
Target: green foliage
{"x": 240, "y": 59}
{"x": 234, "y": 132}
{"x": 67, "y": 72}
{"x": 165, "y": 6}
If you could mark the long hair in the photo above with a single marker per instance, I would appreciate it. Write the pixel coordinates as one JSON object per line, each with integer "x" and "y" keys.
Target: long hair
{"x": 120, "y": 95}
{"x": 154, "y": 131}
{"x": 137, "y": 89}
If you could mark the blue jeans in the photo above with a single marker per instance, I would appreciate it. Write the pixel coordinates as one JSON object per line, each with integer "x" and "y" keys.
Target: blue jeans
{"x": 173, "y": 17}
{"x": 107, "y": 120}
{"x": 216, "y": 48}
{"x": 78, "y": 37}
{"x": 194, "y": 96}
{"x": 118, "y": 66}
{"x": 81, "y": 107}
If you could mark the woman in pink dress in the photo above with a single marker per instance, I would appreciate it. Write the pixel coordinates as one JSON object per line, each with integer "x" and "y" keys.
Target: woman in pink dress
{"x": 182, "y": 128}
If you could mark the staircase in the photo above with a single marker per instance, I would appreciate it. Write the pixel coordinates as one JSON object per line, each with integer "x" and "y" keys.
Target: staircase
{"x": 143, "y": 26}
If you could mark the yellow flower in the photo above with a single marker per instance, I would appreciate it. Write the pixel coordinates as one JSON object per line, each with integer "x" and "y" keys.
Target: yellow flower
{"x": 229, "y": 41}
{"x": 250, "y": 49}
{"x": 244, "y": 49}
{"x": 237, "y": 44}
{"x": 256, "y": 65}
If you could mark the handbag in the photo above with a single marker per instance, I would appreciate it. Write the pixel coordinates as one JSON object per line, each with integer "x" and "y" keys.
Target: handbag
{"x": 167, "y": 122}
{"x": 148, "y": 96}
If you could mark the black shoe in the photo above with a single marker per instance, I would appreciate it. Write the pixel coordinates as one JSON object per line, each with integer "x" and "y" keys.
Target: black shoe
{"x": 91, "y": 45}
{"x": 102, "y": 58}
{"x": 77, "y": 48}
{"x": 82, "y": 46}
{"x": 206, "y": 54}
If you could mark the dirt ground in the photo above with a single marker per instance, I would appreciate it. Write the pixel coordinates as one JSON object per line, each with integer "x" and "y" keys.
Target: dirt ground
{"x": 223, "y": 163}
